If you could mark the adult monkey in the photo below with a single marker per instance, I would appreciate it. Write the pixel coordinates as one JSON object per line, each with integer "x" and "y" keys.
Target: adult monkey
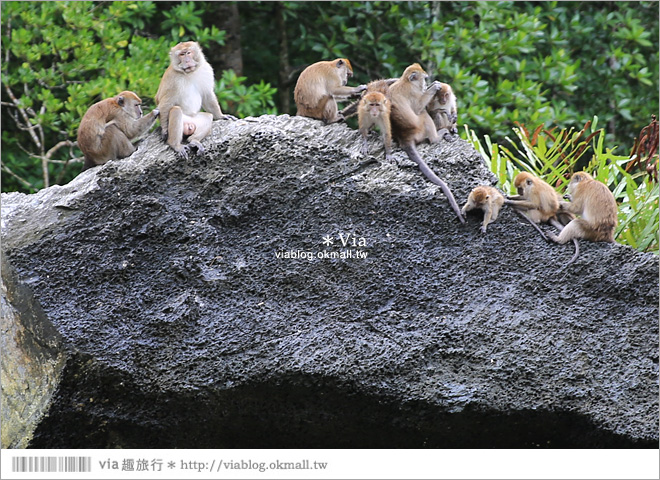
{"x": 411, "y": 123}
{"x": 186, "y": 87}
{"x": 108, "y": 128}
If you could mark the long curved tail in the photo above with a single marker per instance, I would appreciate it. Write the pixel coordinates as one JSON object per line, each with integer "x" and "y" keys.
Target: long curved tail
{"x": 414, "y": 156}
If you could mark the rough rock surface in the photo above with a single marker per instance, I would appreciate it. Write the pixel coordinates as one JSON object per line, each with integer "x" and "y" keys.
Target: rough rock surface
{"x": 187, "y": 323}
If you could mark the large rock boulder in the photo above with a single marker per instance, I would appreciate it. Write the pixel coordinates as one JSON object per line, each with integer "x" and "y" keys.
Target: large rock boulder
{"x": 282, "y": 290}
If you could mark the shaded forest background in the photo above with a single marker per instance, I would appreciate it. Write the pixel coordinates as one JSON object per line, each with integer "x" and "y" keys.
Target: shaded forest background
{"x": 551, "y": 63}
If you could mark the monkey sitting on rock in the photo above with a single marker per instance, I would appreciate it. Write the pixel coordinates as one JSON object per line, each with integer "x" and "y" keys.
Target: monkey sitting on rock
{"x": 320, "y": 85}
{"x": 186, "y": 87}
{"x": 108, "y": 128}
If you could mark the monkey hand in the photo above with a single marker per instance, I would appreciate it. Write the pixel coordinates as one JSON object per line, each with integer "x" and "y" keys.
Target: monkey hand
{"x": 568, "y": 197}
{"x": 163, "y": 134}
{"x": 483, "y": 227}
{"x": 435, "y": 86}
{"x": 155, "y": 112}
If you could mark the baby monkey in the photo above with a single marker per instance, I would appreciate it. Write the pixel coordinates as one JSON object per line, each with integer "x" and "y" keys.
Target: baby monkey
{"x": 488, "y": 199}
{"x": 374, "y": 110}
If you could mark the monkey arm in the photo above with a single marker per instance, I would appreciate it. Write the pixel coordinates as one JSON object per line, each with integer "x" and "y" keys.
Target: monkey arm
{"x": 346, "y": 92}
{"x": 427, "y": 97}
{"x": 142, "y": 125}
{"x": 211, "y": 105}
{"x": 519, "y": 202}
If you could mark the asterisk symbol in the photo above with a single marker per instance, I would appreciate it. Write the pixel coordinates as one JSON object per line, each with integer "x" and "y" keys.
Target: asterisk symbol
{"x": 327, "y": 240}
{"x": 171, "y": 465}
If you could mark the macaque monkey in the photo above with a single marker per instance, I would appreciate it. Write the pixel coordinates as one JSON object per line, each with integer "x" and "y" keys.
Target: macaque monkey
{"x": 186, "y": 87}
{"x": 488, "y": 199}
{"x": 374, "y": 109}
{"x": 595, "y": 204}
{"x": 443, "y": 111}
{"x": 109, "y": 126}
{"x": 538, "y": 202}
{"x": 411, "y": 123}
{"x": 320, "y": 85}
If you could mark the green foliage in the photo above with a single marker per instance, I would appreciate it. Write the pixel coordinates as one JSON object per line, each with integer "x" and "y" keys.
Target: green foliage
{"x": 556, "y": 157}
{"x": 61, "y": 57}
{"x": 243, "y": 100}
{"x": 533, "y": 62}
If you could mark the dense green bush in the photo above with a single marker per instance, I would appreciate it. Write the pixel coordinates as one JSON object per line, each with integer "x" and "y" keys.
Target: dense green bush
{"x": 557, "y": 63}
{"x": 61, "y": 57}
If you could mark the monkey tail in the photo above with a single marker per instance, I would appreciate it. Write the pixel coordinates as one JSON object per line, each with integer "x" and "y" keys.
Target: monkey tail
{"x": 575, "y": 255}
{"x": 414, "y": 156}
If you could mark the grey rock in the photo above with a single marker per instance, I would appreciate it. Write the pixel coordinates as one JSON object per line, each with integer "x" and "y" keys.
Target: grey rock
{"x": 200, "y": 307}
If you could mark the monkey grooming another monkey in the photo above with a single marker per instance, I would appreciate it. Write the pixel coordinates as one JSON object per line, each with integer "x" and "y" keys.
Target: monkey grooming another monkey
{"x": 443, "y": 111}
{"x": 109, "y": 126}
{"x": 320, "y": 85}
{"x": 374, "y": 110}
{"x": 186, "y": 87}
{"x": 538, "y": 202}
{"x": 488, "y": 199}
{"x": 411, "y": 123}
{"x": 597, "y": 207}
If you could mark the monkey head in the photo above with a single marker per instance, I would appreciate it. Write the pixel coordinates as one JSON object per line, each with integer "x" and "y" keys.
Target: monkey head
{"x": 375, "y": 103}
{"x": 576, "y": 179}
{"x": 443, "y": 93}
{"x": 345, "y": 70}
{"x": 523, "y": 182}
{"x": 415, "y": 74}
{"x": 479, "y": 196}
{"x": 185, "y": 57}
{"x": 130, "y": 103}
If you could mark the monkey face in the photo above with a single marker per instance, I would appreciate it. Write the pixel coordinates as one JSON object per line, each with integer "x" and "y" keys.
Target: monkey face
{"x": 130, "y": 103}
{"x": 184, "y": 57}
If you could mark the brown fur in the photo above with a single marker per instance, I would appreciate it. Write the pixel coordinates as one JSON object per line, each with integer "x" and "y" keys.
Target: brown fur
{"x": 374, "y": 110}
{"x": 488, "y": 199}
{"x": 442, "y": 109}
{"x": 109, "y": 126}
{"x": 538, "y": 200}
{"x": 411, "y": 123}
{"x": 320, "y": 85}
{"x": 597, "y": 207}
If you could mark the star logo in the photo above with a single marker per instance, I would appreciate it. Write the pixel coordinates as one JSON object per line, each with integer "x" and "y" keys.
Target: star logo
{"x": 327, "y": 240}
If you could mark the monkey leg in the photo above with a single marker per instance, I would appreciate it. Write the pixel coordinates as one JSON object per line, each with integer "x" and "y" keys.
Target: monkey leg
{"x": 488, "y": 213}
{"x": 414, "y": 156}
{"x": 330, "y": 113}
{"x": 175, "y": 131}
{"x": 116, "y": 144}
{"x": 203, "y": 123}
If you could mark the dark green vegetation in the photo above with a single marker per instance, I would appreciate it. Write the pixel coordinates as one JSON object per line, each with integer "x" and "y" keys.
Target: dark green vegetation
{"x": 551, "y": 63}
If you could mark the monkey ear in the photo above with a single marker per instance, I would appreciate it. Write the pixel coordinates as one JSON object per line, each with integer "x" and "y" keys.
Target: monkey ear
{"x": 413, "y": 77}
{"x": 529, "y": 181}
{"x": 120, "y": 101}
{"x": 340, "y": 62}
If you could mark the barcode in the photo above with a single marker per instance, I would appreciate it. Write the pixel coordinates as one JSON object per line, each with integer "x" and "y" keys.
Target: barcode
{"x": 51, "y": 464}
